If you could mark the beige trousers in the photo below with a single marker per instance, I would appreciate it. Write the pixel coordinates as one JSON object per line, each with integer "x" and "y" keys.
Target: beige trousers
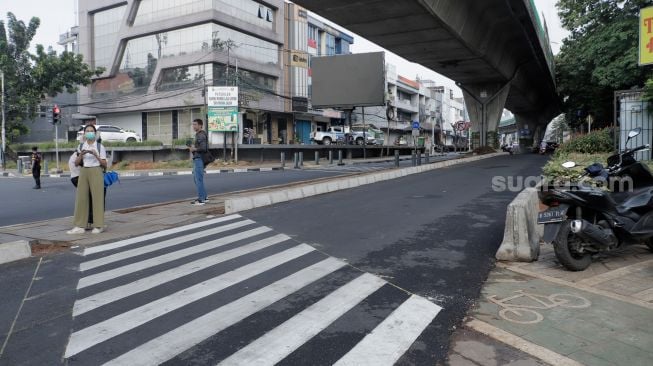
{"x": 90, "y": 180}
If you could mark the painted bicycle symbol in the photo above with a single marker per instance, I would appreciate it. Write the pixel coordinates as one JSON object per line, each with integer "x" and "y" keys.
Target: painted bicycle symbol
{"x": 517, "y": 311}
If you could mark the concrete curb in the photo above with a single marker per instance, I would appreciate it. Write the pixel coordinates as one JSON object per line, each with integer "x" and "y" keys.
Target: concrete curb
{"x": 14, "y": 251}
{"x": 521, "y": 236}
{"x": 237, "y": 203}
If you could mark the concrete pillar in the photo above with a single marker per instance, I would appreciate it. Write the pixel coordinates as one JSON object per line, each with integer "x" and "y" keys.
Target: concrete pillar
{"x": 529, "y": 129}
{"x": 485, "y": 104}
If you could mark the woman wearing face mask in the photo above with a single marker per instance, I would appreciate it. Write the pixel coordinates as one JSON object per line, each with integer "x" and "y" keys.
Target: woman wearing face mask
{"x": 92, "y": 157}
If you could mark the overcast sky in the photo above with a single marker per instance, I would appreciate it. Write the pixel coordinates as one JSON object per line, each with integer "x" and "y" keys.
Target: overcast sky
{"x": 57, "y": 19}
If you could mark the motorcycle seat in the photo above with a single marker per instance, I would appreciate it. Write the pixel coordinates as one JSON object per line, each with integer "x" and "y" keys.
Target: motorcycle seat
{"x": 631, "y": 200}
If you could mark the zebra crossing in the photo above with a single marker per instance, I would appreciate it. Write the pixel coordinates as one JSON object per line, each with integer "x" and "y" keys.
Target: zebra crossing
{"x": 228, "y": 291}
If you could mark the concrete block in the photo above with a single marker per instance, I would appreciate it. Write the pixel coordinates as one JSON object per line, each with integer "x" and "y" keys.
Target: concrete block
{"x": 353, "y": 182}
{"x": 295, "y": 194}
{"x": 321, "y": 188}
{"x": 332, "y": 186}
{"x": 237, "y": 204}
{"x": 261, "y": 200}
{"x": 308, "y": 191}
{"x": 521, "y": 236}
{"x": 279, "y": 196}
{"x": 343, "y": 184}
{"x": 14, "y": 251}
{"x": 362, "y": 181}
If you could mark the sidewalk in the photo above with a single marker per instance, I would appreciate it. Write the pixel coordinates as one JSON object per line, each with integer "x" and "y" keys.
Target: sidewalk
{"x": 601, "y": 316}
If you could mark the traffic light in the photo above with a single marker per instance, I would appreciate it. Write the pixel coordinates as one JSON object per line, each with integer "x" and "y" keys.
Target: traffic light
{"x": 56, "y": 114}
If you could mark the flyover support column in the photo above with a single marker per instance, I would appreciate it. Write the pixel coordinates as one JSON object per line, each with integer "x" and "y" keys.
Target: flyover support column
{"x": 485, "y": 104}
{"x": 527, "y": 126}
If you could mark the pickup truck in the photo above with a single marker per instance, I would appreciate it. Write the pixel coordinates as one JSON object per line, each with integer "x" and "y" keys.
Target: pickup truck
{"x": 337, "y": 134}
{"x": 331, "y": 135}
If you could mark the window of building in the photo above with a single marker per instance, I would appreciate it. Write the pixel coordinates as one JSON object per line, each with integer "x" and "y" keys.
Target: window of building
{"x": 106, "y": 25}
{"x": 312, "y": 34}
{"x": 330, "y": 45}
{"x": 159, "y": 126}
{"x": 185, "y": 77}
{"x": 342, "y": 47}
{"x": 150, "y": 11}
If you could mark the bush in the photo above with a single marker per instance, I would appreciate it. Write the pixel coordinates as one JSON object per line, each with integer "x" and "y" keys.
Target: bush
{"x": 484, "y": 150}
{"x": 595, "y": 142}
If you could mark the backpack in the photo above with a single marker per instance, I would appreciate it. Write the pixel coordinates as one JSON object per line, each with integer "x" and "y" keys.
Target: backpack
{"x": 207, "y": 157}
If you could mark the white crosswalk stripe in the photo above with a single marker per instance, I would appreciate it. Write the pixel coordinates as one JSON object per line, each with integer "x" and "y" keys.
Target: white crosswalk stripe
{"x": 244, "y": 270}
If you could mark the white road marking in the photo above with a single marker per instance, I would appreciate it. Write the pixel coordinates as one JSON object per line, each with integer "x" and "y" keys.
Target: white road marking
{"x": 160, "y": 245}
{"x": 100, "y": 332}
{"x": 392, "y": 338}
{"x": 287, "y": 337}
{"x": 168, "y": 257}
{"x": 105, "y": 297}
{"x": 158, "y": 234}
{"x": 165, "y": 347}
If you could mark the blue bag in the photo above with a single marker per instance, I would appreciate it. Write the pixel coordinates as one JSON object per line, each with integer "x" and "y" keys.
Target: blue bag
{"x": 110, "y": 177}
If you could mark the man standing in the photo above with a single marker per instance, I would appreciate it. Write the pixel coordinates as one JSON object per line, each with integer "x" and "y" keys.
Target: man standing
{"x": 36, "y": 167}
{"x": 198, "y": 150}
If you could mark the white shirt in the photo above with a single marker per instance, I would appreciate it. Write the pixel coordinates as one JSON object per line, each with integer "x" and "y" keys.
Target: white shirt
{"x": 89, "y": 159}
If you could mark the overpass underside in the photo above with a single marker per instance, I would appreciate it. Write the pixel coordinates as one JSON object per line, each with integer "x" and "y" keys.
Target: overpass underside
{"x": 491, "y": 48}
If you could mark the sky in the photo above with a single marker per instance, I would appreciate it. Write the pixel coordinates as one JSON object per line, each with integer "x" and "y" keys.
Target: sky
{"x": 56, "y": 20}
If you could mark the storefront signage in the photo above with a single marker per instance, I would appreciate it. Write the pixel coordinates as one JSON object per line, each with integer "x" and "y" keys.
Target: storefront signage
{"x": 299, "y": 104}
{"x": 299, "y": 59}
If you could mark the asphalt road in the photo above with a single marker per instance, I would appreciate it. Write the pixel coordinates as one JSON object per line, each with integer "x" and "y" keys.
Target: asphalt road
{"x": 426, "y": 236}
{"x": 22, "y": 204}
{"x": 432, "y": 234}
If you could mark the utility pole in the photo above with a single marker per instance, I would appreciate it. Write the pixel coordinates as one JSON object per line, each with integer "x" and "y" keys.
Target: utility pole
{"x": 4, "y": 143}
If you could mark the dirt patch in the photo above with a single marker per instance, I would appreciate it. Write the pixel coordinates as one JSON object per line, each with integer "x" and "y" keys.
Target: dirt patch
{"x": 44, "y": 247}
{"x": 218, "y": 210}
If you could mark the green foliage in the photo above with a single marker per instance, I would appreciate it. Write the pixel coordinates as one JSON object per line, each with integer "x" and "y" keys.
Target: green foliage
{"x": 595, "y": 142}
{"x": 45, "y": 146}
{"x": 599, "y": 57}
{"x": 554, "y": 171}
{"x": 30, "y": 78}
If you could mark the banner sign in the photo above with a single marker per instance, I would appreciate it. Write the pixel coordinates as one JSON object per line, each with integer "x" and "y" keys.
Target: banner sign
{"x": 646, "y": 36}
{"x": 222, "y": 96}
{"x": 299, "y": 59}
{"x": 223, "y": 119}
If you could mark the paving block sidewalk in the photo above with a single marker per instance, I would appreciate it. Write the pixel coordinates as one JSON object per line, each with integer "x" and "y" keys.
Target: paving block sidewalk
{"x": 600, "y": 316}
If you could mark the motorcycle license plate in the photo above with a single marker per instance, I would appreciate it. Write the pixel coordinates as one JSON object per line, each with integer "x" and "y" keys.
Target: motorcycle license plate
{"x": 553, "y": 214}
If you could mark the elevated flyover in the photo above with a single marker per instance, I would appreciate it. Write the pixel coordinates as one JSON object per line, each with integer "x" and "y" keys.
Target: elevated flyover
{"x": 497, "y": 51}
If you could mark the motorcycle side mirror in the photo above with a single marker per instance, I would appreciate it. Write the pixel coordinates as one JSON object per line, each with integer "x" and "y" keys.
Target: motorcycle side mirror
{"x": 634, "y": 132}
{"x": 568, "y": 164}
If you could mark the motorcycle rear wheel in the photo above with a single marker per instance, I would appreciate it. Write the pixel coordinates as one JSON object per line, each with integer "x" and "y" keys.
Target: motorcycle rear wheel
{"x": 569, "y": 258}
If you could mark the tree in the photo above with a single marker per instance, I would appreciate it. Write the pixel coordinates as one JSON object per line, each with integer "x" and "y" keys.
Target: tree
{"x": 599, "y": 57}
{"x": 30, "y": 78}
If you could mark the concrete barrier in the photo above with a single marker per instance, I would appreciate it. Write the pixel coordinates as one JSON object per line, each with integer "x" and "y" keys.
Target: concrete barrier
{"x": 522, "y": 234}
{"x": 236, "y": 203}
{"x": 14, "y": 251}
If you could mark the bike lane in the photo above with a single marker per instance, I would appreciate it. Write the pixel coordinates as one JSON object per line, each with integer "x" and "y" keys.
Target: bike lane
{"x": 566, "y": 324}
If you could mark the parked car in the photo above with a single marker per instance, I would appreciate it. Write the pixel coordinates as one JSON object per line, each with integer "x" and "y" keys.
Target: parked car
{"x": 373, "y": 136}
{"x": 112, "y": 133}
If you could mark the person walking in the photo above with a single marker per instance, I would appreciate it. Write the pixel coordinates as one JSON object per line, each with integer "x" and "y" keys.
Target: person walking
{"x": 92, "y": 157}
{"x": 36, "y": 167}
{"x": 197, "y": 150}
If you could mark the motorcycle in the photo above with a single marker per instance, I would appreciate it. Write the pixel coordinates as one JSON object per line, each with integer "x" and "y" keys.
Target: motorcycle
{"x": 583, "y": 220}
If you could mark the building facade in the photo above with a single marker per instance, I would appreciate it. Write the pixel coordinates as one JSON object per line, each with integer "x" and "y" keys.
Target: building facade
{"x": 307, "y": 38}
{"x": 159, "y": 57}
{"x": 433, "y": 106}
